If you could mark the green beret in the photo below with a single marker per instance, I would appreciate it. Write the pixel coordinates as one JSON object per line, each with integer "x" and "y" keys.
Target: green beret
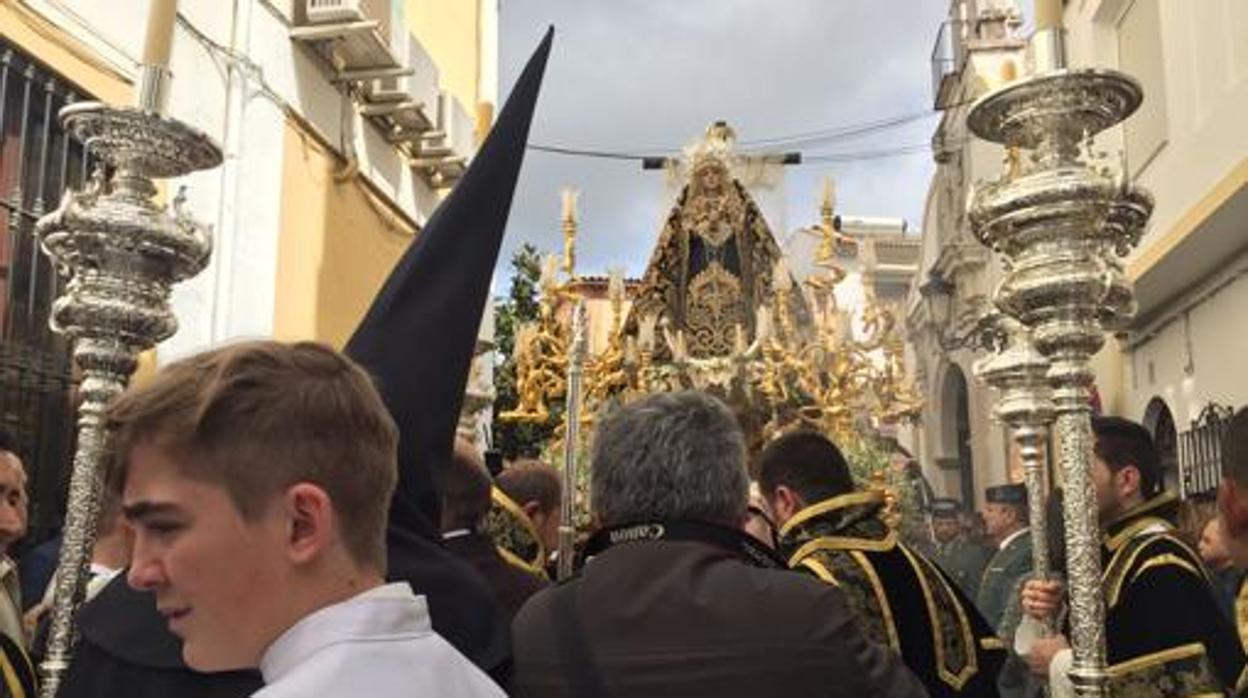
{"x": 1006, "y": 494}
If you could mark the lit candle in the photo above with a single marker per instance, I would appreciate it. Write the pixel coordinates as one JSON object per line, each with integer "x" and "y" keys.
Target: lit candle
{"x": 762, "y": 323}
{"x": 550, "y": 273}
{"x": 645, "y": 331}
{"x": 1048, "y": 14}
{"x": 615, "y": 285}
{"x": 569, "y": 204}
{"x": 780, "y": 279}
{"x": 161, "y": 15}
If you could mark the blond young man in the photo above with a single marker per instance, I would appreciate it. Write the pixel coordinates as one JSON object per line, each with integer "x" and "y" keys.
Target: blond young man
{"x": 257, "y": 478}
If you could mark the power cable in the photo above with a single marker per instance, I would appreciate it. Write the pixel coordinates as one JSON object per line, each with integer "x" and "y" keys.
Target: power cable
{"x": 847, "y": 156}
{"x": 803, "y": 137}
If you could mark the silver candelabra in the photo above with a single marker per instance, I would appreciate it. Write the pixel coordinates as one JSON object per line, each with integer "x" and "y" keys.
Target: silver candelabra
{"x": 1025, "y": 406}
{"x": 1060, "y": 217}
{"x": 122, "y": 252}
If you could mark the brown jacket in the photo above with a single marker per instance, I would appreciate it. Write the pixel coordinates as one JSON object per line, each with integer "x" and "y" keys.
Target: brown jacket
{"x": 666, "y": 618}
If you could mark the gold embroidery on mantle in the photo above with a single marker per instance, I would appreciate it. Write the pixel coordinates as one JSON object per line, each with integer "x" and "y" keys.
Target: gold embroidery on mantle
{"x": 715, "y": 308}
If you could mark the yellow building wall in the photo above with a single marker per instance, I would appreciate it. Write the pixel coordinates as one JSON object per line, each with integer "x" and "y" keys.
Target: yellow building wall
{"x": 338, "y": 242}
{"x": 64, "y": 54}
{"x": 450, "y": 31}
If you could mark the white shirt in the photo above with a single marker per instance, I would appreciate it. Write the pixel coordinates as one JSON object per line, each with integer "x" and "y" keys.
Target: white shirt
{"x": 377, "y": 644}
{"x": 1010, "y": 538}
{"x": 99, "y": 577}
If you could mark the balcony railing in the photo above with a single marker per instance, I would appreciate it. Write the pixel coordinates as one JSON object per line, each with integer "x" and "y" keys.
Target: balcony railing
{"x": 1200, "y": 451}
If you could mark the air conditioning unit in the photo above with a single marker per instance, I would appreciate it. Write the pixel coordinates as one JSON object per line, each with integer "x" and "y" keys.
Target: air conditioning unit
{"x": 420, "y": 87}
{"x": 338, "y": 11}
{"x": 457, "y": 124}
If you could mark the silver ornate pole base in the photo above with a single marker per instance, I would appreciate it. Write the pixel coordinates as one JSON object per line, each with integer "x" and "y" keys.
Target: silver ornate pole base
{"x": 1026, "y": 407}
{"x": 1059, "y": 218}
{"x": 123, "y": 253}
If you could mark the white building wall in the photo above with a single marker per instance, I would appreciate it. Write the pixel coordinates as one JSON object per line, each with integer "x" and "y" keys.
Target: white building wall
{"x": 1204, "y": 51}
{"x": 243, "y": 106}
{"x": 1197, "y": 358}
{"x": 1189, "y": 346}
{"x": 950, "y": 251}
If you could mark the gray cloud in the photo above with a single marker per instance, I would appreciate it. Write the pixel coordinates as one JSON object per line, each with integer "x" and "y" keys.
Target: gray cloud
{"x": 639, "y": 75}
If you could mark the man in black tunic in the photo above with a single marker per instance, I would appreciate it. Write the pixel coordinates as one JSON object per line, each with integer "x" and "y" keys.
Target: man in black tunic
{"x": 901, "y": 599}
{"x": 1164, "y": 633}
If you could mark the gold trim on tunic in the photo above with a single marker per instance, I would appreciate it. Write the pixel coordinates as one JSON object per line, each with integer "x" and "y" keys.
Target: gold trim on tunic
{"x": 886, "y": 609}
{"x": 820, "y": 570}
{"x": 537, "y": 565}
{"x": 1144, "y": 661}
{"x": 957, "y": 681}
{"x": 844, "y": 500}
{"x": 1114, "y": 578}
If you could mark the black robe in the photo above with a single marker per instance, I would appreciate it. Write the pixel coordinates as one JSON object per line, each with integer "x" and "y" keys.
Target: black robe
{"x": 901, "y": 598}
{"x": 512, "y": 585}
{"x": 1165, "y": 634}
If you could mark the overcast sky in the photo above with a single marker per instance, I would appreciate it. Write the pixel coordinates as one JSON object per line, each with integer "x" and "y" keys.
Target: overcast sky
{"x": 649, "y": 75}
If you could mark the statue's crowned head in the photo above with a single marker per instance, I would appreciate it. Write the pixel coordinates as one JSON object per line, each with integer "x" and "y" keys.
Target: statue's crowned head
{"x": 709, "y": 158}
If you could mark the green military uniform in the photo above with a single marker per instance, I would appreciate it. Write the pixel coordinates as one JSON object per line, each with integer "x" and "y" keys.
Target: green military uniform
{"x": 961, "y": 559}
{"x": 999, "y": 592}
{"x": 1002, "y": 582}
{"x": 1165, "y": 634}
{"x": 901, "y": 599}
{"x": 1009, "y": 567}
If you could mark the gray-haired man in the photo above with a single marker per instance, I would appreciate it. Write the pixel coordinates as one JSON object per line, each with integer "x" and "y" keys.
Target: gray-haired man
{"x": 676, "y": 599}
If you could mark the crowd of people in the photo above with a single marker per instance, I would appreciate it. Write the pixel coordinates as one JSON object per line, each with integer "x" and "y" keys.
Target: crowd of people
{"x": 282, "y": 519}
{"x": 246, "y": 549}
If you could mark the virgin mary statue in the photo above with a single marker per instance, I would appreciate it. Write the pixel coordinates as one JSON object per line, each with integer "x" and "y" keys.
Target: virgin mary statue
{"x": 711, "y": 269}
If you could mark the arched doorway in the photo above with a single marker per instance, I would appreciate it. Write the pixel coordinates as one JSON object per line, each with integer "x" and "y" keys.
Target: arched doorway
{"x": 956, "y": 420}
{"x": 1160, "y": 423}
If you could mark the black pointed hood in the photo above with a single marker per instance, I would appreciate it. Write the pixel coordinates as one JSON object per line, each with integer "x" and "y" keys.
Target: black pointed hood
{"x": 418, "y": 337}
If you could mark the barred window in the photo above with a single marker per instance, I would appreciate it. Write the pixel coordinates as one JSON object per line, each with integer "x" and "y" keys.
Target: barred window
{"x": 38, "y": 161}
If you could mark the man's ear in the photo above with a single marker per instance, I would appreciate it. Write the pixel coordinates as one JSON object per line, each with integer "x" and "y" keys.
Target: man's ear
{"x": 785, "y": 503}
{"x": 1128, "y": 481}
{"x": 1231, "y": 507}
{"x": 311, "y": 521}
{"x": 532, "y": 509}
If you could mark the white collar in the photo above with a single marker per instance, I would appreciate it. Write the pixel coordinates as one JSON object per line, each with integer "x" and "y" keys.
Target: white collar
{"x": 386, "y": 610}
{"x": 456, "y": 533}
{"x": 1010, "y": 538}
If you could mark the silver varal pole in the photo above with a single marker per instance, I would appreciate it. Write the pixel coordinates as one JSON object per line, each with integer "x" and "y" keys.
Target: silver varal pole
{"x": 1025, "y": 406}
{"x": 1061, "y": 216}
{"x": 571, "y": 439}
{"x": 122, "y": 252}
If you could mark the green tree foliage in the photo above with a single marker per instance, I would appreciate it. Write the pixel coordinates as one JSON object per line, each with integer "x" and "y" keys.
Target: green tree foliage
{"x": 872, "y": 463}
{"x": 516, "y": 439}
